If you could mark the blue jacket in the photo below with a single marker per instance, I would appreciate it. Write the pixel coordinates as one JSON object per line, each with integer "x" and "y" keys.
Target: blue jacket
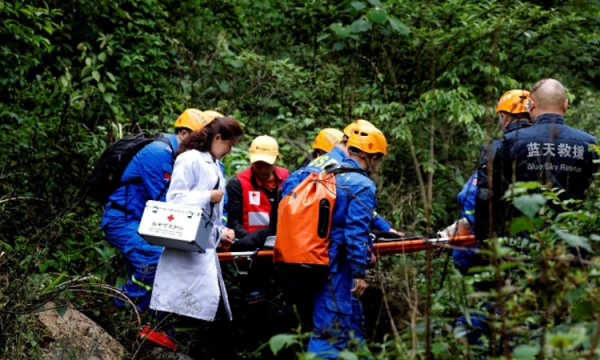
{"x": 480, "y": 226}
{"x": 352, "y": 213}
{"x": 466, "y": 200}
{"x": 549, "y": 152}
{"x": 335, "y": 156}
{"x": 148, "y": 173}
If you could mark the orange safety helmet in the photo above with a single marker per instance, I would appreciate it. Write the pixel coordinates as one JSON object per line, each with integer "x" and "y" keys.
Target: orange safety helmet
{"x": 513, "y": 102}
{"x": 369, "y": 140}
{"x": 357, "y": 123}
{"x": 327, "y": 139}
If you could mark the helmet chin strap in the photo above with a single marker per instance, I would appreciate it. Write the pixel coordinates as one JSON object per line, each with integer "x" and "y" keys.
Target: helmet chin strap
{"x": 369, "y": 164}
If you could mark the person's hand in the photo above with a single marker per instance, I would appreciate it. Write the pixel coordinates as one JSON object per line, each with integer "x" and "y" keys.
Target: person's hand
{"x": 397, "y": 232}
{"x": 360, "y": 285}
{"x": 216, "y": 196}
{"x": 372, "y": 261}
{"x": 227, "y": 234}
{"x": 224, "y": 244}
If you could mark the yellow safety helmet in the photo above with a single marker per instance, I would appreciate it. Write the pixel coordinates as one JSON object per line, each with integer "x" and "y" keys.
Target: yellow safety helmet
{"x": 357, "y": 123}
{"x": 513, "y": 102}
{"x": 195, "y": 119}
{"x": 264, "y": 148}
{"x": 327, "y": 139}
{"x": 190, "y": 119}
{"x": 369, "y": 140}
{"x": 208, "y": 116}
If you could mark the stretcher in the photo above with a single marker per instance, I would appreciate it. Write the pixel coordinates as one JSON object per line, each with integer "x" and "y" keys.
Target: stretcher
{"x": 401, "y": 245}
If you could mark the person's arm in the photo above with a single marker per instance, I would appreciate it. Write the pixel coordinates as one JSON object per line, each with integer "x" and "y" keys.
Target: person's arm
{"x": 501, "y": 180}
{"x": 235, "y": 206}
{"x": 482, "y": 197}
{"x": 186, "y": 174}
{"x": 379, "y": 223}
{"x": 466, "y": 199}
{"x": 155, "y": 168}
{"x": 224, "y": 216}
{"x": 356, "y": 231}
{"x": 292, "y": 181}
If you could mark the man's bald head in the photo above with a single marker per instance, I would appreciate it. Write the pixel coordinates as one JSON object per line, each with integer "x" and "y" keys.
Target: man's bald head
{"x": 547, "y": 97}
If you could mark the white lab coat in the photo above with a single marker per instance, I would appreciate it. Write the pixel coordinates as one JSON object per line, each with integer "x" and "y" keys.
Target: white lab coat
{"x": 190, "y": 283}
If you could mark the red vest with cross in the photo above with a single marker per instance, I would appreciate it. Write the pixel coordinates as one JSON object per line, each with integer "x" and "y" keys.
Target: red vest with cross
{"x": 256, "y": 212}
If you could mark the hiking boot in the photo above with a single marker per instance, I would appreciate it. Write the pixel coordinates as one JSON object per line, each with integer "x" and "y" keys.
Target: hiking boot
{"x": 158, "y": 337}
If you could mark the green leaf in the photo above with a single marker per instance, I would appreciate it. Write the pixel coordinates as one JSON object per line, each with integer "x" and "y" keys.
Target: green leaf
{"x": 96, "y": 75}
{"x": 279, "y": 341}
{"x": 358, "y": 5}
{"x": 398, "y": 26}
{"x": 61, "y": 310}
{"x": 341, "y": 31}
{"x": 108, "y": 98}
{"x": 110, "y": 76}
{"x": 584, "y": 310}
{"x": 102, "y": 57}
{"x": 338, "y": 45}
{"x": 347, "y": 355}
{"x": 360, "y": 25}
{"x": 529, "y": 204}
{"x": 510, "y": 265}
{"x": 574, "y": 240}
{"x": 53, "y": 284}
{"x": 44, "y": 266}
{"x": 377, "y": 15}
{"x": 526, "y": 352}
{"x": 573, "y": 295}
{"x": 375, "y": 2}
{"x": 522, "y": 223}
{"x": 224, "y": 86}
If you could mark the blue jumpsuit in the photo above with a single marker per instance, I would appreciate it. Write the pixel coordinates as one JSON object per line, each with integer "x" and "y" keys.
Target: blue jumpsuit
{"x": 148, "y": 173}
{"x": 338, "y": 315}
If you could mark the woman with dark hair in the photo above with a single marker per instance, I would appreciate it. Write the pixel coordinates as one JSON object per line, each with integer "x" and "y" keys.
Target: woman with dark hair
{"x": 190, "y": 283}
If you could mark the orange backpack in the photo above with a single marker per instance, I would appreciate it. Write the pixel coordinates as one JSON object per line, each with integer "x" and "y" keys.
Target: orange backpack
{"x": 304, "y": 219}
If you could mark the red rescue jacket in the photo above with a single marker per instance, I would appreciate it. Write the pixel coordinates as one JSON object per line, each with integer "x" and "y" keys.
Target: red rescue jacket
{"x": 257, "y": 202}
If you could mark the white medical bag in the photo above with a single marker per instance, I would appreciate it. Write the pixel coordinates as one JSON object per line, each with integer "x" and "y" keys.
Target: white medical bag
{"x": 176, "y": 226}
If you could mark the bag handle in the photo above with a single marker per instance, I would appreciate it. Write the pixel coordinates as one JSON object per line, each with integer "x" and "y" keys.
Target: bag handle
{"x": 216, "y": 187}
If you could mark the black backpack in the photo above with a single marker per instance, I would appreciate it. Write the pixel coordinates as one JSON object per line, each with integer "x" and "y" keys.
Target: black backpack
{"x": 106, "y": 176}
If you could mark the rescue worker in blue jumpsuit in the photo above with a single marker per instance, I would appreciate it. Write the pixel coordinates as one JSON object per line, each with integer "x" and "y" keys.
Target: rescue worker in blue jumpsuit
{"x": 550, "y": 152}
{"x": 297, "y": 290}
{"x": 145, "y": 178}
{"x": 513, "y": 115}
{"x": 338, "y": 314}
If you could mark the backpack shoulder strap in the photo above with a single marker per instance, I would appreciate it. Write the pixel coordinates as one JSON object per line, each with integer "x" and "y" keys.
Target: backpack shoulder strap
{"x": 339, "y": 169}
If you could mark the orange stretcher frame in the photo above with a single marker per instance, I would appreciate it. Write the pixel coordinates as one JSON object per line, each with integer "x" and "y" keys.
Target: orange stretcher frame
{"x": 382, "y": 247}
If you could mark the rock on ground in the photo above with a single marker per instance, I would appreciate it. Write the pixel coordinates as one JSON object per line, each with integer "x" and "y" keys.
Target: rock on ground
{"x": 77, "y": 337}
